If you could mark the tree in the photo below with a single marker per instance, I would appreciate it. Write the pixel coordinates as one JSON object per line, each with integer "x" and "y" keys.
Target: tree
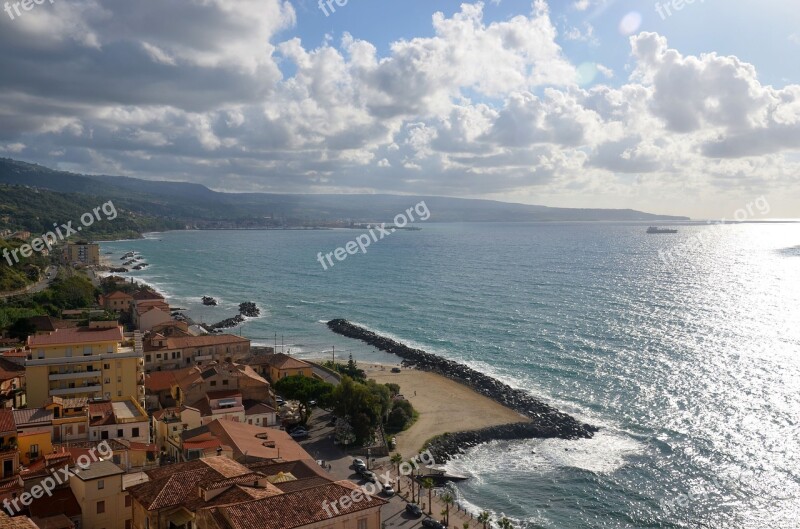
{"x": 304, "y": 390}
{"x": 465, "y": 525}
{"x": 484, "y": 518}
{"x": 396, "y": 459}
{"x": 394, "y": 389}
{"x": 505, "y": 523}
{"x": 448, "y": 500}
{"x": 427, "y": 483}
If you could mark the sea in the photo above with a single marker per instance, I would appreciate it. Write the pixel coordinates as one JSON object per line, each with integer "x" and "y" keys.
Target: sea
{"x": 683, "y": 348}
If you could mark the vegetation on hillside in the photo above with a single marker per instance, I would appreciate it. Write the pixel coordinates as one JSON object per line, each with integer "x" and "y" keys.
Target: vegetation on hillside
{"x": 19, "y": 274}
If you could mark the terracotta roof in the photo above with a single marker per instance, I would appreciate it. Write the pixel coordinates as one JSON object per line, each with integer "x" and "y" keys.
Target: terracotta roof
{"x": 42, "y": 323}
{"x": 19, "y": 522}
{"x": 293, "y": 509}
{"x": 59, "y": 521}
{"x": 7, "y": 423}
{"x": 118, "y": 294}
{"x": 223, "y": 394}
{"x": 76, "y": 335}
{"x": 144, "y": 309}
{"x": 253, "y": 407}
{"x": 146, "y": 294}
{"x": 250, "y": 439}
{"x": 284, "y": 361}
{"x": 160, "y": 380}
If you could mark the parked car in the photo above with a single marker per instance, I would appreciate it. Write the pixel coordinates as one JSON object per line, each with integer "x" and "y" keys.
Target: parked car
{"x": 395, "y": 370}
{"x": 312, "y": 403}
{"x": 299, "y": 433}
{"x": 358, "y": 462}
{"x": 368, "y": 475}
{"x": 414, "y": 510}
{"x": 432, "y": 524}
{"x": 388, "y": 489}
{"x": 360, "y": 469}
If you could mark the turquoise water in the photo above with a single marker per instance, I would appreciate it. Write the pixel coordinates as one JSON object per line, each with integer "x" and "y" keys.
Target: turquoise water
{"x": 692, "y": 369}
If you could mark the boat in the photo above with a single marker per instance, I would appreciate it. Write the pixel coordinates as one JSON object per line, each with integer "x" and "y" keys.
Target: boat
{"x": 655, "y": 229}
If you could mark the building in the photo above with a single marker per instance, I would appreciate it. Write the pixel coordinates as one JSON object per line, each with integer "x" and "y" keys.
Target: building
{"x": 168, "y": 426}
{"x": 118, "y": 418}
{"x": 217, "y": 493}
{"x": 116, "y": 301}
{"x": 19, "y": 522}
{"x": 70, "y": 418}
{"x": 149, "y": 313}
{"x": 84, "y": 362}
{"x": 10, "y": 482}
{"x": 34, "y": 433}
{"x": 104, "y": 504}
{"x": 276, "y": 366}
{"x": 12, "y": 384}
{"x": 82, "y": 253}
{"x": 244, "y": 442}
{"x": 194, "y": 383}
{"x": 172, "y": 352}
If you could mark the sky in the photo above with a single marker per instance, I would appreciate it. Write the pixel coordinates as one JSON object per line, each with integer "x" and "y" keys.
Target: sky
{"x": 670, "y": 106}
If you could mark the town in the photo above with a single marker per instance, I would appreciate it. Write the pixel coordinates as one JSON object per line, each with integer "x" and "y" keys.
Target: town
{"x": 195, "y": 428}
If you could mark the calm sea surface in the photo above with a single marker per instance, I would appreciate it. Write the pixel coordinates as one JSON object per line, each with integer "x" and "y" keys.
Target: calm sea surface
{"x": 692, "y": 369}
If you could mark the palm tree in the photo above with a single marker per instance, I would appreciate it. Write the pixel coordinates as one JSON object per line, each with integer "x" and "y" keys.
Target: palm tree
{"x": 505, "y": 523}
{"x": 427, "y": 483}
{"x": 448, "y": 500}
{"x": 396, "y": 459}
{"x": 484, "y": 518}
{"x": 465, "y": 525}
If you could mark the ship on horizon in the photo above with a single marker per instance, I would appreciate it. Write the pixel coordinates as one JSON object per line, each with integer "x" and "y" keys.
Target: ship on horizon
{"x": 656, "y": 229}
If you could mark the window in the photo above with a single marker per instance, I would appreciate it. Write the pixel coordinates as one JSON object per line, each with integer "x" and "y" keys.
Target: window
{"x": 40, "y": 353}
{"x": 81, "y": 429}
{"x": 34, "y": 451}
{"x": 108, "y": 381}
{"x": 128, "y": 501}
{"x": 128, "y": 524}
{"x": 101, "y": 484}
{"x": 119, "y": 379}
{"x": 101, "y": 507}
{"x": 87, "y": 350}
{"x": 362, "y": 523}
{"x": 213, "y": 383}
{"x": 224, "y": 382}
{"x": 119, "y": 433}
{"x": 68, "y": 352}
{"x": 136, "y": 432}
{"x": 106, "y": 366}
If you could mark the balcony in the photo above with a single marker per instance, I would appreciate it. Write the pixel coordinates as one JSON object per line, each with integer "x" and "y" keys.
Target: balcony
{"x": 76, "y": 391}
{"x": 77, "y": 374}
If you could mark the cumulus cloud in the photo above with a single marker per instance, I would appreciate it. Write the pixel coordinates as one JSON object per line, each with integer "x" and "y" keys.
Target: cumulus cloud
{"x": 219, "y": 92}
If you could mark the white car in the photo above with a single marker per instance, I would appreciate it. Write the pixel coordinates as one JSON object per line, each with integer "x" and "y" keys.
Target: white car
{"x": 388, "y": 489}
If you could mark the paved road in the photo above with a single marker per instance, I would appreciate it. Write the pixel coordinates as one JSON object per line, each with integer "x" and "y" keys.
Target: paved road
{"x": 320, "y": 446}
{"x": 38, "y": 287}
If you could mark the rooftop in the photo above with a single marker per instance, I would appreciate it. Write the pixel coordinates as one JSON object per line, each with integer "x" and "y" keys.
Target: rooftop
{"x": 98, "y": 470}
{"x": 78, "y": 335}
{"x": 32, "y": 416}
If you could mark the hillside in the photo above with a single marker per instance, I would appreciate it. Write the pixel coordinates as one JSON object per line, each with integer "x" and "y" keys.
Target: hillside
{"x": 194, "y": 204}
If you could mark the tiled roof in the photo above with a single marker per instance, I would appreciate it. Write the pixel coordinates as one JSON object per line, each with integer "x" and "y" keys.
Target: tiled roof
{"x": 118, "y": 294}
{"x": 161, "y": 380}
{"x": 284, "y": 361}
{"x": 293, "y": 509}
{"x": 253, "y": 407}
{"x": 300, "y": 484}
{"x": 62, "y": 501}
{"x": 145, "y": 294}
{"x": 42, "y": 323}
{"x": 7, "y": 423}
{"x": 19, "y": 522}
{"x": 76, "y": 336}
{"x": 223, "y": 394}
{"x": 250, "y": 439}
{"x": 32, "y": 416}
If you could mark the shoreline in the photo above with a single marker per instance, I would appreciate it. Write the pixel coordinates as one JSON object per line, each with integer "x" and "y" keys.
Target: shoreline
{"x": 444, "y": 406}
{"x": 545, "y": 420}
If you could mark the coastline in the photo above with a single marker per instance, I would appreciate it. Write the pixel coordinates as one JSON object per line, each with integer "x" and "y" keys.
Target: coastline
{"x": 444, "y": 406}
{"x": 545, "y": 421}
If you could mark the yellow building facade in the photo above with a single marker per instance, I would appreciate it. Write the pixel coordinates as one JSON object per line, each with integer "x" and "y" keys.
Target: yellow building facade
{"x": 83, "y": 362}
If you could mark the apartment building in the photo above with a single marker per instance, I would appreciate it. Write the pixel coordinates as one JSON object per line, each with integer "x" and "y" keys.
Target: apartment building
{"x": 70, "y": 418}
{"x": 173, "y": 352}
{"x": 193, "y": 384}
{"x": 116, "y": 301}
{"x": 10, "y": 482}
{"x": 149, "y": 313}
{"x": 276, "y": 366}
{"x": 82, "y": 253}
{"x": 93, "y": 362}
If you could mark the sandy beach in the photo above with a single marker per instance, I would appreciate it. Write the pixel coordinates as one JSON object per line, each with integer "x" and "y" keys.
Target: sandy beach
{"x": 443, "y": 406}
